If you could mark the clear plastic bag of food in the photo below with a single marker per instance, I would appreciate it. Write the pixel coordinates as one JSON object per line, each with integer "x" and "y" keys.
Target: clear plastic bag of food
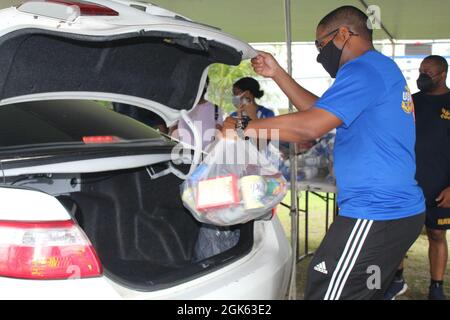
{"x": 233, "y": 185}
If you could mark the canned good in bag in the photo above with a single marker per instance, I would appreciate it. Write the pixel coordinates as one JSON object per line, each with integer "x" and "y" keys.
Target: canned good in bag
{"x": 253, "y": 189}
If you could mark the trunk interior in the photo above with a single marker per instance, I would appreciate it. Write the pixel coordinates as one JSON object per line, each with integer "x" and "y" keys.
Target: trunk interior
{"x": 143, "y": 235}
{"x": 157, "y": 66}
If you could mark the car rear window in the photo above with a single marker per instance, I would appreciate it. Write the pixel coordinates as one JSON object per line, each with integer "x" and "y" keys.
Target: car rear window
{"x": 66, "y": 121}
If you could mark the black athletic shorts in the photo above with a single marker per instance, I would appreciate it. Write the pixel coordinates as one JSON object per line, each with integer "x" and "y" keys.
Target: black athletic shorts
{"x": 438, "y": 218}
{"x": 358, "y": 258}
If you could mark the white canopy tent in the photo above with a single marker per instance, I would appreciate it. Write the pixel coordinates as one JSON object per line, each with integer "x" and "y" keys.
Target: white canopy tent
{"x": 263, "y": 20}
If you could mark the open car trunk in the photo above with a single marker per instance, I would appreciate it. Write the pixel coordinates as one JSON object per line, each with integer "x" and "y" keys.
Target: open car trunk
{"x": 143, "y": 235}
{"x": 161, "y": 71}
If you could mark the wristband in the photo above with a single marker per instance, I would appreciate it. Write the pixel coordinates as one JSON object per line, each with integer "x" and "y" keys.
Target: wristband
{"x": 241, "y": 125}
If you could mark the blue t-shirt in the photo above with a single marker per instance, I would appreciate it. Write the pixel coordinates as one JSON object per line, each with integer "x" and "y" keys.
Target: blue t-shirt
{"x": 374, "y": 159}
{"x": 261, "y": 113}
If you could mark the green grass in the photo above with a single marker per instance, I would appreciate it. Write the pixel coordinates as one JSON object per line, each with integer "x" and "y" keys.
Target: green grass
{"x": 416, "y": 264}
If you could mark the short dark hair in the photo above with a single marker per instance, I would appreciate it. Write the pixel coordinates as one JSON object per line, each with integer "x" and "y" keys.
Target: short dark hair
{"x": 249, "y": 84}
{"x": 349, "y": 16}
{"x": 439, "y": 60}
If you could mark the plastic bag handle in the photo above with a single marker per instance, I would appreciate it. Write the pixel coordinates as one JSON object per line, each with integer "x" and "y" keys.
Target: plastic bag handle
{"x": 197, "y": 143}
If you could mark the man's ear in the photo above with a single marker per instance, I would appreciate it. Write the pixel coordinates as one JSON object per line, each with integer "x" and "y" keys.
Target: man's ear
{"x": 443, "y": 78}
{"x": 344, "y": 33}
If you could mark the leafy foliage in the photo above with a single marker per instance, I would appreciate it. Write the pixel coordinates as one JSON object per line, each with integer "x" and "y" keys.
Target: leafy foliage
{"x": 222, "y": 78}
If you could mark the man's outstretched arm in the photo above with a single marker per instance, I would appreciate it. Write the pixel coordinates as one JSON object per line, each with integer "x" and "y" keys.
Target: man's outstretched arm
{"x": 266, "y": 65}
{"x": 294, "y": 127}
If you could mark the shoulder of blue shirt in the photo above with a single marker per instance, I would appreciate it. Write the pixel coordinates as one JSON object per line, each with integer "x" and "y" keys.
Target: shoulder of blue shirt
{"x": 267, "y": 113}
{"x": 361, "y": 67}
{"x": 357, "y": 81}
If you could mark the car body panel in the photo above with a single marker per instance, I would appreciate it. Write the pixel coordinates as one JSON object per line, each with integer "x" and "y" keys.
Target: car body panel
{"x": 30, "y": 205}
{"x": 73, "y": 289}
{"x": 263, "y": 273}
{"x": 92, "y": 165}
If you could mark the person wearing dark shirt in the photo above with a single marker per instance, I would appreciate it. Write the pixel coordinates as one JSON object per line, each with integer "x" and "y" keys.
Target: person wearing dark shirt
{"x": 432, "y": 109}
{"x": 381, "y": 206}
{"x": 145, "y": 116}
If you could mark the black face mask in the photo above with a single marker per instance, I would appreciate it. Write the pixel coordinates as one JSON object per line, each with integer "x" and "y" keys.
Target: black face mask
{"x": 425, "y": 83}
{"x": 330, "y": 57}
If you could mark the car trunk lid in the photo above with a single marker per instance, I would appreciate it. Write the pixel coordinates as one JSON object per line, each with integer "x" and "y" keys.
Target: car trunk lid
{"x": 159, "y": 64}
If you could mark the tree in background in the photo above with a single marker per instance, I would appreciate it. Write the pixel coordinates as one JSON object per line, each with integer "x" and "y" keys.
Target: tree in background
{"x": 222, "y": 78}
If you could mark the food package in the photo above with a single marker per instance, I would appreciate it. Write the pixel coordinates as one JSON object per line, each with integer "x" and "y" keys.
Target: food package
{"x": 234, "y": 184}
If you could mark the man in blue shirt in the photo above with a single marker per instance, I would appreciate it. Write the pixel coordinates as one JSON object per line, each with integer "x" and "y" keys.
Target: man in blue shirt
{"x": 381, "y": 205}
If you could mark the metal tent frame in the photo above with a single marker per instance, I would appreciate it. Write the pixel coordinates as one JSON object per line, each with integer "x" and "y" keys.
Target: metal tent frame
{"x": 293, "y": 162}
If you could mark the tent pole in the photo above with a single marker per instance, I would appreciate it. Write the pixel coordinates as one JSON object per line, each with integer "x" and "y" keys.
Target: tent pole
{"x": 293, "y": 163}
{"x": 383, "y": 27}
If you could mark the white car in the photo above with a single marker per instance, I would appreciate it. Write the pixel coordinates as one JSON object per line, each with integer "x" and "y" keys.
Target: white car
{"x": 89, "y": 198}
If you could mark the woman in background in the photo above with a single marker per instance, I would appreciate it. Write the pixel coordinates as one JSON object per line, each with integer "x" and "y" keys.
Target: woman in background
{"x": 245, "y": 93}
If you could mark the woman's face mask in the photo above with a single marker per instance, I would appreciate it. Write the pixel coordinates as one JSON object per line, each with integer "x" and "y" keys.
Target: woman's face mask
{"x": 236, "y": 100}
{"x": 239, "y": 100}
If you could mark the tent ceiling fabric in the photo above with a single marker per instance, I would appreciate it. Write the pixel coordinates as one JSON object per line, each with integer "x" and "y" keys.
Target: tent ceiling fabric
{"x": 263, "y": 20}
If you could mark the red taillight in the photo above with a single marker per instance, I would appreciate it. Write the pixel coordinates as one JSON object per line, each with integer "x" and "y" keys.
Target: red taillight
{"x": 88, "y": 8}
{"x": 100, "y": 139}
{"x": 46, "y": 250}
